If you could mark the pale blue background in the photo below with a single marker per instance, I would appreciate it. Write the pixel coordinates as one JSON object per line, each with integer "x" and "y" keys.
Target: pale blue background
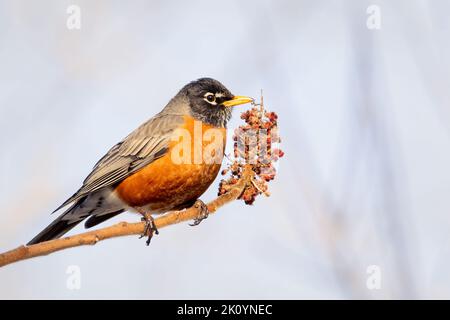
{"x": 364, "y": 115}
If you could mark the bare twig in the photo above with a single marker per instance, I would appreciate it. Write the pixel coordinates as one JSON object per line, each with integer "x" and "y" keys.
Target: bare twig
{"x": 124, "y": 228}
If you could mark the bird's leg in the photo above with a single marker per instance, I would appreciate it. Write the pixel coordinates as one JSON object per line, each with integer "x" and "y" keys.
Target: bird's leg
{"x": 150, "y": 227}
{"x": 204, "y": 212}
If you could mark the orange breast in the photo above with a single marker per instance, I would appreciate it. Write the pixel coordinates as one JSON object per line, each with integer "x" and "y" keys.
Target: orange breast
{"x": 180, "y": 176}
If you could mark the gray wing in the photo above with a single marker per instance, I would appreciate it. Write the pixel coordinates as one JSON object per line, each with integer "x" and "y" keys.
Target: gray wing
{"x": 144, "y": 145}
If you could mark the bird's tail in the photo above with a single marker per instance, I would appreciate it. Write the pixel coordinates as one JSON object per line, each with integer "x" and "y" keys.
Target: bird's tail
{"x": 60, "y": 225}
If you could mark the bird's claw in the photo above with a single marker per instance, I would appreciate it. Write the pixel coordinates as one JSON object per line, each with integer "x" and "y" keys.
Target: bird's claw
{"x": 149, "y": 229}
{"x": 204, "y": 212}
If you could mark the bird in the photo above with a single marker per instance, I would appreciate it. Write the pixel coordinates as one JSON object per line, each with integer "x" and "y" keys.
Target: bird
{"x": 143, "y": 172}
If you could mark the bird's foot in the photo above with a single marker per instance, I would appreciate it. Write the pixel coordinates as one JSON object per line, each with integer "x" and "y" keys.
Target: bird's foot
{"x": 204, "y": 212}
{"x": 150, "y": 227}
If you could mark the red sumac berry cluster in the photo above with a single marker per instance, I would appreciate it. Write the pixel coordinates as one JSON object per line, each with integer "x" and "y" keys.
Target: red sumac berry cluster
{"x": 254, "y": 145}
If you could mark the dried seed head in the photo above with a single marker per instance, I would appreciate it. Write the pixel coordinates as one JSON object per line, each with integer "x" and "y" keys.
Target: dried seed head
{"x": 260, "y": 155}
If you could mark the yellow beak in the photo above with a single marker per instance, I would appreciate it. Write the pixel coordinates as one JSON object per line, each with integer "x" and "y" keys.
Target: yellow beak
{"x": 237, "y": 100}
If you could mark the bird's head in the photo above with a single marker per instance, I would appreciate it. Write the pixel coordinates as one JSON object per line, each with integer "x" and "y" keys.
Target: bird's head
{"x": 211, "y": 102}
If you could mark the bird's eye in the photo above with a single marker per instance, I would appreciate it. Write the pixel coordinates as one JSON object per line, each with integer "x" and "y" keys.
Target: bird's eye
{"x": 210, "y": 97}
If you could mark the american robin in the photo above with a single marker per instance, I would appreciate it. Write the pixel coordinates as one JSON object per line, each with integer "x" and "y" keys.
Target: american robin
{"x": 148, "y": 172}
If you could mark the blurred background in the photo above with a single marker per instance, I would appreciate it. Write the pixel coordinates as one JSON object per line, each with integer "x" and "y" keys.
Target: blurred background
{"x": 363, "y": 113}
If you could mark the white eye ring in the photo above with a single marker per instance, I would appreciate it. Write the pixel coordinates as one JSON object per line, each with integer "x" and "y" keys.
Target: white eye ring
{"x": 210, "y": 98}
